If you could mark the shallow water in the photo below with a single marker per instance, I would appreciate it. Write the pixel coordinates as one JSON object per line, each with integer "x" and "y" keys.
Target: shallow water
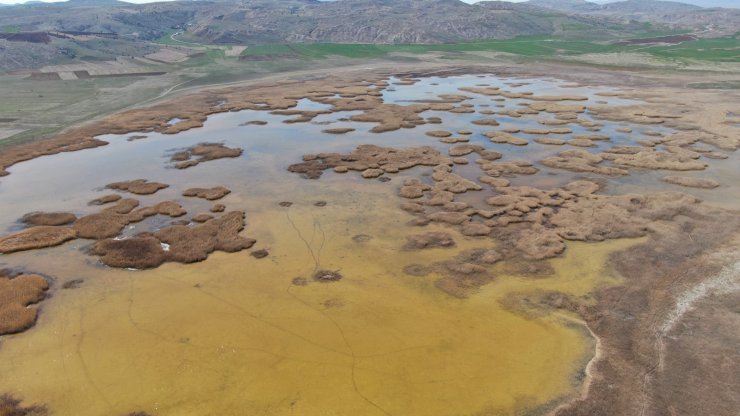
{"x": 234, "y": 335}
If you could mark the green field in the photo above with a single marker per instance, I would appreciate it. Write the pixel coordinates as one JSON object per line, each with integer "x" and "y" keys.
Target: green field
{"x": 9, "y": 29}
{"x": 720, "y": 49}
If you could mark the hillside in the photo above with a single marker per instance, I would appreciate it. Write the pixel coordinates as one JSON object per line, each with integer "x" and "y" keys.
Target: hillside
{"x": 259, "y": 21}
{"x": 38, "y": 34}
{"x": 351, "y": 21}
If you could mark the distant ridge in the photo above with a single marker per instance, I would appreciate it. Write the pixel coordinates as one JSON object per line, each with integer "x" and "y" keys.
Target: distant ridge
{"x": 358, "y": 21}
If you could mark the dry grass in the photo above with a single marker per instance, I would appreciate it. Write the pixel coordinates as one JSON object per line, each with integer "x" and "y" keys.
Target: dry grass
{"x": 137, "y": 186}
{"x": 429, "y": 240}
{"x": 136, "y": 253}
{"x": 338, "y": 130}
{"x": 188, "y": 245}
{"x": 203, "y": 152}
{"x": 691, "y": 182}
{"x": 36, "y": 237}
{"x": 106, "y": 199}
{"x": 15, "y": 296}
{"x": 177, "y": 243}
{"x": 392, "y": 116}
{"x": 372, "y": 160}
{"x": 210, "y": 194}
{"x": 112, "y": 220}
{"x": 48, "y": 218}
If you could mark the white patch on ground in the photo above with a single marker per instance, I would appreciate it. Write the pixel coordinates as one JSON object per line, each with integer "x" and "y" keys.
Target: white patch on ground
{"x": 5, "y": 133}
{"x": 168, "y": 55}
{"x": 120, "y": 66}
{"x": 727, "y": 281}
{"x": 67, "y": 76}
{"x": 234, "y": 51}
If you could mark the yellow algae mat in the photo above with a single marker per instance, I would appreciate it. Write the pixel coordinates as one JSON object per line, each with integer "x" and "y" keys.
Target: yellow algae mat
{"x": 236, "y": 335}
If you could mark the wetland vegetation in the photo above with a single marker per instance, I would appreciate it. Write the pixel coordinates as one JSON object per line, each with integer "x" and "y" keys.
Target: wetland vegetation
{"x": 544, "y": 223}
{"x": 496, "y": 235}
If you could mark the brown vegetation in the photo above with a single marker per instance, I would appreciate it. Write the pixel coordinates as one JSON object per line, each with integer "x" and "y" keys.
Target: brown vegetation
{"x": 202, "y": 217}
{"x": 504, "y": 137}
{"x": 550, "y": 141}
{"x": 581, "y": 161}
{"x": 59, "y": 144}
{"x": 107, "y": 199}
{"x": 137, "y": 253}
{"x": 16, "y": 294}
{"x": 137, "y": 186}
{"x": 429, "y": 240}
{"x": 48, "y": 218}
{"x": 692, "y": 182}
{"x": 112, "y": 220}
{"x": 210, "y": 194}
{"x": 177, "y": 243}
{"x": 41, "y": 236}
{"x": 338, "y": 130}
{"x": 203, "y": 152}
{"x": 438, "y": 133}
{"x": 391, "y": 116}
{"x": 372, "y": 160}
